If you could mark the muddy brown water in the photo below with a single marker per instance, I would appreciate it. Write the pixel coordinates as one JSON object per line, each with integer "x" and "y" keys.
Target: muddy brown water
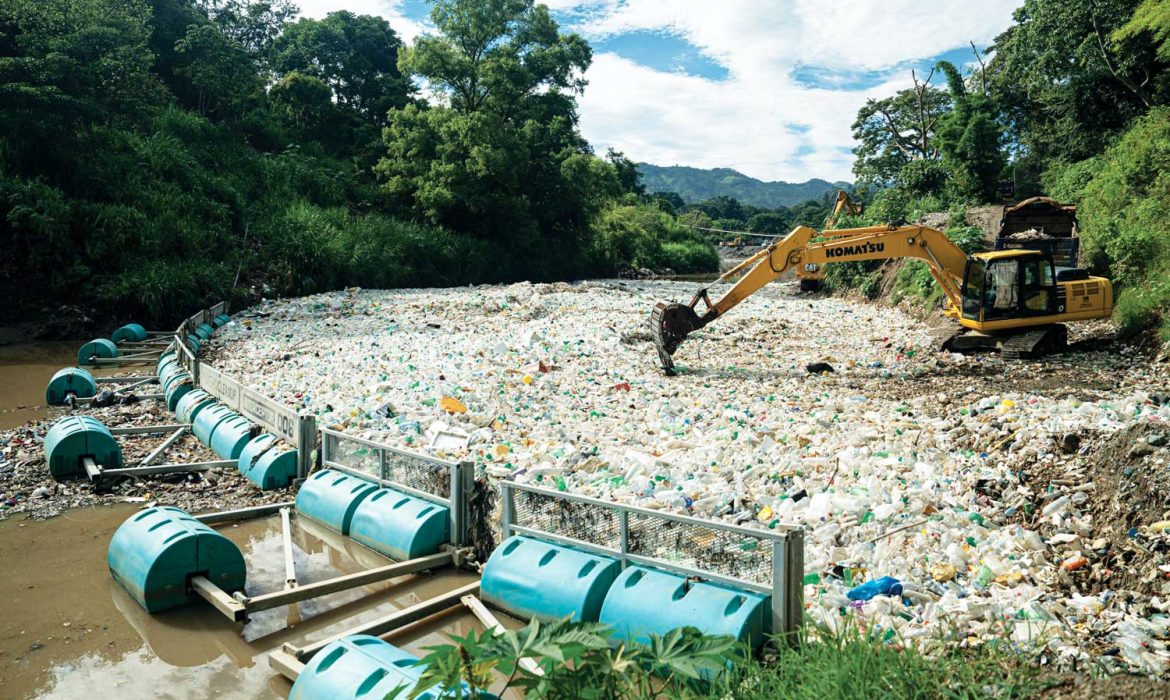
{"x": 25, "y": 370}
{"x": 68, "y": 630}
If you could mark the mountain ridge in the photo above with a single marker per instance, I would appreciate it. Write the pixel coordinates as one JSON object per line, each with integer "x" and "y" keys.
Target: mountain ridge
{"x": 698, "y": 184}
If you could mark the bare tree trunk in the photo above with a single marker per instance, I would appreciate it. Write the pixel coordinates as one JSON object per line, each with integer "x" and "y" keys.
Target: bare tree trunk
{"x": 1125, "y": 80}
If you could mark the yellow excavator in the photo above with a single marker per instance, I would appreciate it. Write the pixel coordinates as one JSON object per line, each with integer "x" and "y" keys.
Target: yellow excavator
{"x": 1013, "y": 301}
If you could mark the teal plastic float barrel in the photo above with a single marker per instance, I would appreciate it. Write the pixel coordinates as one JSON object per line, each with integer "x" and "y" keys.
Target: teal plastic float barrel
{"x": 401, "y": 527}
{"x": 252, "y": 451}
{"x": 165, "y": 363}
{"x": 361, "y": 667}
{"x": 645, "y": 601}
{"x": 208, "y": 420}
{"x": 330, "y": 498}
{"x": 193, "y": 343}
{"x": 130, "y": 332}
{"x": 98, "y": 347}
{"x": 175, "y": 387}
{"x": 155, "y": 553}
{"x": 230, "y": 436}
{"x": 71, "y": 380}
{"x": 273, "y": 467}
{"x": 221, "y": 320}
{"x": 204, "y": 331}
{"x": 194, "y": 401}
{"x": 72, "y": 439}
{"x": 533, "y": 578}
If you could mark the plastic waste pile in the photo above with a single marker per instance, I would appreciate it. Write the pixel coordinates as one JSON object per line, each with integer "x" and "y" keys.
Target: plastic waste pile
{"x": 905, "y": 465}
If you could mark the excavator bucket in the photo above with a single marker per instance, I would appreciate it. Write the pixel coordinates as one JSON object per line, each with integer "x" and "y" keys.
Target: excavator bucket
{"x": 670, "y": 324}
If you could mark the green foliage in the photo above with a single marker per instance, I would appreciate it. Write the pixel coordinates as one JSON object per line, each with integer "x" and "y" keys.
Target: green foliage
{"x": 577, "y": 660}
{"x": 1125, "y": 217}
{"x": 853, "y": 665}
{"x": 643, "y": 236}
{"x": 355, "y": 55}
{"x": 920, "y": 178}
{"x": 1063, "y": 87}
{"x": 1152, "y": 17}
{"x": 897, "y": 130}
{"x": 970, "y": 139}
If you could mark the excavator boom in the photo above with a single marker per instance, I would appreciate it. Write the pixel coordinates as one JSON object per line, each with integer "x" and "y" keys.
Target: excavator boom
{"x": 672, "y": 323}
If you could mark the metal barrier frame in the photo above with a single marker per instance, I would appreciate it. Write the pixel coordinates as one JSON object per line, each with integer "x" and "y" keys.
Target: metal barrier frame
{"x": 787, "y": 589}
{"x": 462, "y": 479}
{"x": 297, "y": 429}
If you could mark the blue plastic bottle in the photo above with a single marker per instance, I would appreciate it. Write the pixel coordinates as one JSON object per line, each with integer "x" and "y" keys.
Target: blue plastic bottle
{"x": 886, "y": 585}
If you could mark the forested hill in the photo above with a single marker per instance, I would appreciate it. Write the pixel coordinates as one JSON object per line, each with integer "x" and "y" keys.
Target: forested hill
{"x": 697, "y": 184}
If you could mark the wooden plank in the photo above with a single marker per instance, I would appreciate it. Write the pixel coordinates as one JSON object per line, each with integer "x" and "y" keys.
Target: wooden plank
{"x": 220, "y": 600}
{"x": 169, "y": 468}
{"x": 343, "y": 583}
{"x": 485, "y": 616}
{"x": 394, "y": 620}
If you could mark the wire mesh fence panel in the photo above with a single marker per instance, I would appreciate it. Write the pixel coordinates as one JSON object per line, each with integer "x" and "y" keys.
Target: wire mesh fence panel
{"x": 696, "y": 546}
{"x": 418, "y": 472}
{"x": 353, "y": 454}
{"x": 395, "y": 467}
{"x": 593, "y": 523}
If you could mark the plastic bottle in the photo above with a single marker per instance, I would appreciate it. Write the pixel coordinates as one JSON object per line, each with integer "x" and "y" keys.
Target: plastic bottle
{"x": 886, "y": 585}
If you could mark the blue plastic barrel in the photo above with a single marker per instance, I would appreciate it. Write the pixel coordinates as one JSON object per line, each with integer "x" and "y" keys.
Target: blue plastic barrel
{"x": 401, "y": 527}
{"x": 130, "y": 332}
{"x": 361, "y": 667}
{"x": 208, "y": 419}
{"x": 274, "y": 469}
{"x": 193, "y": 343}
{"x": 221, "y": 320}
{"x": 155, "y": 553}
{"x": 230, "y": 436}
{"x": 204, "y": 331}
{"x": 532, "y": 578}
{"x": 165, "y": 362}
{"x": 330, "y": 498}
{"x": 645, "y": 601}
{"x": 194, "y": 401}
{"x": 72, "y": 439}
{"x": 71, "y": 380}
{"x": 98, "y": 347}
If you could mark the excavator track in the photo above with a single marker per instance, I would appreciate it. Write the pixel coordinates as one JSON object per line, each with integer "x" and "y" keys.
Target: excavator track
{"x": 1034, "y": 343}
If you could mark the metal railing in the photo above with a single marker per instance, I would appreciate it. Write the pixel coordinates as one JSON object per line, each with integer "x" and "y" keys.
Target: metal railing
{"x": 767, "y": 561}
{"x": 295, "y": 428}
{"x": 436, "y": 480}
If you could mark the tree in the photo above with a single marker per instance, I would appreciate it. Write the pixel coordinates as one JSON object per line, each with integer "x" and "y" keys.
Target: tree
{"x": 894, "y": 131}
{"x": 305, "y": 100}
{"x": 778, "y": 221}
{"x": 503, "y": 159}
{"x": 1153, "y": 18}
{"x": 970, "y": 139}
{"x": 221, "y": 71}
{"x": 627, "y": 172}
{"x": 355, "y": 55}
{"x": 497, "y": 55}
{"x": 1064, "y": 88}
{"x": 669, "y": 202}
{"x": 253, "y": 24}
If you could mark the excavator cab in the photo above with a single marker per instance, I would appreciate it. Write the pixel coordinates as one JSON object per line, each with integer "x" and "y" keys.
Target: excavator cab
{"x": 1009, "y": 285}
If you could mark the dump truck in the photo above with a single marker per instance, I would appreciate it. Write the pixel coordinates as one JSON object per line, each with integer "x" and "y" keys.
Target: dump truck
{"x": 1041, "y": 223}
{"x": 1013, "y": 301}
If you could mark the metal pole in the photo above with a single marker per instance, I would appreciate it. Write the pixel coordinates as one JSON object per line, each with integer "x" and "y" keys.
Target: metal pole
{"x": 150, "y": 458}
{"x": 227, "y": 516}
{"x": 624, "y": 527}
{"x": 306, "y": 437}
{"x": 508, "y": 508}
{"x": 290, "y": 571}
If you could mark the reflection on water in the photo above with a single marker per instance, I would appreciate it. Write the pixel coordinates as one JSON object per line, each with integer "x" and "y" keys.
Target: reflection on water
{"x": 191, "y": 652}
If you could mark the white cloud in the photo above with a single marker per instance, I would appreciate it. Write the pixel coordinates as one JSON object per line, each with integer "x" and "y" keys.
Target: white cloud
{"x": 742, "y": 122}
{"x": 390, "y": 10}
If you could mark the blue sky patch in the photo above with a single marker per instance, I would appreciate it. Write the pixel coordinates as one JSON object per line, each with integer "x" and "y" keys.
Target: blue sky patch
{"x": 663, "y": 52}
{"x": 831, "y": 79}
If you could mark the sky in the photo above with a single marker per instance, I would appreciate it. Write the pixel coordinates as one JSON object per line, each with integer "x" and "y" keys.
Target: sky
{"x": 767, "y": 87}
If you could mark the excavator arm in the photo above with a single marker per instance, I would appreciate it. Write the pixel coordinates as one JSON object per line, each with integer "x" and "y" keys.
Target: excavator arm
{"x": 672, "y": 323}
